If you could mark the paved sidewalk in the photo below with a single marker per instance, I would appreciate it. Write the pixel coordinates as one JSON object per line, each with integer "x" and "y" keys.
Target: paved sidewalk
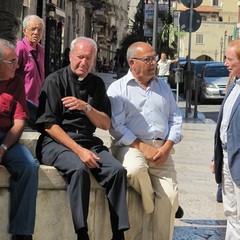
{"x": 203, "y": 218}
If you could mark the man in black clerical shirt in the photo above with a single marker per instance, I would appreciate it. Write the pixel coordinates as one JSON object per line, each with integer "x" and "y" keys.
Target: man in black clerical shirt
{"x": 72, "y": 104}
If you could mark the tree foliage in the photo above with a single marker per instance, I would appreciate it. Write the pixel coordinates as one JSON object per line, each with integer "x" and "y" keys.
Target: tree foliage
{"x": 166, "y": 39}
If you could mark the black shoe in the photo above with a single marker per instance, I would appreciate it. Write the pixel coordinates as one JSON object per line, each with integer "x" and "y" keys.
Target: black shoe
{"x": 83, "y": 234}
{"x": 21, "y": 237}
{"x": 118, "y": 235}
{"x": 179, "y": 213}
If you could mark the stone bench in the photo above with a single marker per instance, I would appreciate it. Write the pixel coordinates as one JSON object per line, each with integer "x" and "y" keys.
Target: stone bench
{"x": 53, "y": 219}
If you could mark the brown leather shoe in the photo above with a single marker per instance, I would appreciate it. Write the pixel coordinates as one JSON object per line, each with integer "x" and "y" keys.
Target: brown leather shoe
{"x": 22, "y": 237}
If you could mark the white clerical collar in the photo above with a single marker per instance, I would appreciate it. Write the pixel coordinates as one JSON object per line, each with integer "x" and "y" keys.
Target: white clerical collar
{"x": 80, "y": 79}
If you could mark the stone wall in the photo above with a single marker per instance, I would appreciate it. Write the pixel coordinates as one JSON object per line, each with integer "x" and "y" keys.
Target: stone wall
{"x": 54, "y": 221}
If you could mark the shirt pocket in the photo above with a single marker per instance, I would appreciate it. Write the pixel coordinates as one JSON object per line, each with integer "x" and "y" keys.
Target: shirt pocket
{"x": 6, "y": 103}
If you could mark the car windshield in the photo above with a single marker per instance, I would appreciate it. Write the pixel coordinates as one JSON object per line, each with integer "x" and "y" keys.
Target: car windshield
{"x": 217, "y": 72}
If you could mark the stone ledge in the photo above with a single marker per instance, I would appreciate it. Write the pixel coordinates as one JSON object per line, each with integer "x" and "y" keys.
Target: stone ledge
{"x": 49, "y": 178}
{"x": 53, "y": 215}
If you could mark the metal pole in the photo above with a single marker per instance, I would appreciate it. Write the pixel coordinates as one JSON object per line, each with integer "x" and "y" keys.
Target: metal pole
{"x": 188, "y": 96}
{"x": 178, "y": 43}
{"x": 177, "y": 92}
{"x": 224, "y": 44}
{"x": 155, "y": 23}
{"x": 178, "y": 50}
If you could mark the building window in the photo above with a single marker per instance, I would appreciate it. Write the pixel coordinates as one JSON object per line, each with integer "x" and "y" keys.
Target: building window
{"x": 204, "y": 18}
{"x": 215, "y": 3}
{"x": 214, "y": 18}
{"x": 199, "y": 38}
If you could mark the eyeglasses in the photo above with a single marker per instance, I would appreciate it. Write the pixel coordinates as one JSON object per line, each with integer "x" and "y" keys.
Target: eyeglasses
{"x": 33, "y": 29}
{"x": 12, "y": 61}
{"x": 147, "y": 60}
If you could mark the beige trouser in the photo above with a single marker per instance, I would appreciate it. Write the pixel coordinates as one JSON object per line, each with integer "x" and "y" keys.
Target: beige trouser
{"x": 231, "y": 202}
{"x": 156, "y": 184}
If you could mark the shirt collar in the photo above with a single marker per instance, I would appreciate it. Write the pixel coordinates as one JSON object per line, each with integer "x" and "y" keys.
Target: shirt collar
{"x": 75, "y": 77}
{"x": 28, "y": 46}
{"x": 129, "y": 77}
{"x": 237, "y": 81}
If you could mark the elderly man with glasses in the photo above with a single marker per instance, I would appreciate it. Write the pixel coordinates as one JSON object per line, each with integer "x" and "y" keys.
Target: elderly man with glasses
{"x": 18, "y": 160}
{"x": 146, "y": 123}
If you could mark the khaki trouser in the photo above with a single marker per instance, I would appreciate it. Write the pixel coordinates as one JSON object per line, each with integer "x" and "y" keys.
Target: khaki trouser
{"x": 156, "y": 184}
{"x": 231, "y": 202}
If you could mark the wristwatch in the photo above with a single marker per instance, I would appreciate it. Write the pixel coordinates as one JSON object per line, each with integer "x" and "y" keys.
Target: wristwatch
{"x": 88, "y": 108}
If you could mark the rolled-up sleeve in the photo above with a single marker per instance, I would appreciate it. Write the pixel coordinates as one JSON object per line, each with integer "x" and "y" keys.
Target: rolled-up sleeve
{"x": 120, "y": 132}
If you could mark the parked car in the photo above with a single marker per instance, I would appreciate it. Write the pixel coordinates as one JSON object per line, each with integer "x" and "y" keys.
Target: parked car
{"x": 180, "y": 64}
{"x": 197, "y": 67}
{"x": 213, "y": 81}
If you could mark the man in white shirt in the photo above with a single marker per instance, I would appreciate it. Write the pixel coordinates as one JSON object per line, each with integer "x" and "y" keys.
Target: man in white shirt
{"x": 146, "y": 123}
{"x": 163, "y": 66}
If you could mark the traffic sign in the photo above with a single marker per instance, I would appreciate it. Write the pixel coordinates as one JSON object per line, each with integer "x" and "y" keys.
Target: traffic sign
{"x": 184, "y": 20}
{"x": 187, "y": 3}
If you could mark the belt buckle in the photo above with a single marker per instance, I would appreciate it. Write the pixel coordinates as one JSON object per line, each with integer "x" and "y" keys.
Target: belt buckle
{"x": 77, "y": 131}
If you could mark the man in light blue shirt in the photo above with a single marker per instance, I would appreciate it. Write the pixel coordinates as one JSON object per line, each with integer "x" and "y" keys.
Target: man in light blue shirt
{"x": 146, "y": 123}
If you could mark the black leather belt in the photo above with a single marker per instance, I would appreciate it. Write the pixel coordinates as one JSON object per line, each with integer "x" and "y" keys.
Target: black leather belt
{"x": 74, "y": 130}
{"x": 158, "y": 139}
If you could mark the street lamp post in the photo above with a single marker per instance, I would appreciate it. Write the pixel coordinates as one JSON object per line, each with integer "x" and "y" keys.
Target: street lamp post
{"x": 221, "y": 46}
{"x": 155, "y": 24}
{"x": 216, "y": 53}
{"x": 224, "y": 44}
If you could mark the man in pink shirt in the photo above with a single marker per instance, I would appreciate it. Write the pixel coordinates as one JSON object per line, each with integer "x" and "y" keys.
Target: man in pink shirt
{"x": 31, "y": 56}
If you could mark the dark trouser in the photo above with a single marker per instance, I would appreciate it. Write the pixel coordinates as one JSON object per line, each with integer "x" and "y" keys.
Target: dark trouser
{"x": 23, "y": 188}
{"x": 111, "y": 176}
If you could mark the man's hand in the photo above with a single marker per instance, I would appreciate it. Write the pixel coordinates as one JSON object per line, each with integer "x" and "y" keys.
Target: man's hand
{"x": 74, "y": 103}
{"x": 156, "y": 155}
{"x": 212, "y": 167}
{"x": 89, "y": 158}
{"x": 161, "y": 156}
{"x": 2, "y": 152}
{"x": 149, "y": 152}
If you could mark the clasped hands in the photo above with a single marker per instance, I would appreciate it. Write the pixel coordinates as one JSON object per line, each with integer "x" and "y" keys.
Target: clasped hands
{"x": 156, "y": 155}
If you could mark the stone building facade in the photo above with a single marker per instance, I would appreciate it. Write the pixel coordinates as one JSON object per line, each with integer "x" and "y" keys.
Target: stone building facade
{"x": 105, "y": 21}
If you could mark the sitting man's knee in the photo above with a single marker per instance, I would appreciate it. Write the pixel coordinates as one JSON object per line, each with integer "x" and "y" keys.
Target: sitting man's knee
{"x": 136, "y": 171}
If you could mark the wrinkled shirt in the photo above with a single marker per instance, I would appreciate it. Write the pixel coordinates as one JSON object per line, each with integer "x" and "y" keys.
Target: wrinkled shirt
{"x": 28, "y": 68}
{"x": 146, "y": 114}
{"x": 12, "y": 102}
